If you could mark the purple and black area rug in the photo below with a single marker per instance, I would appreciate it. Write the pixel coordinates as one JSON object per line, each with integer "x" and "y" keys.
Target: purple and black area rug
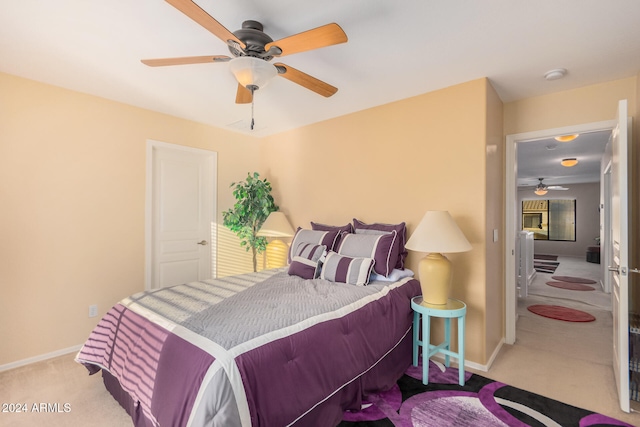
{"x": 481, "y": 402}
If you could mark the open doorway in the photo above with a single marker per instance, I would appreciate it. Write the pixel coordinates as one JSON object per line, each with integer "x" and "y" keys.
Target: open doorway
{"x": 513, "y": 214}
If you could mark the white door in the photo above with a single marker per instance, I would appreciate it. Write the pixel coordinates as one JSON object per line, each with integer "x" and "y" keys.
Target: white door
{"x": 618, "y": 269}
{"x": 182, "y": 214}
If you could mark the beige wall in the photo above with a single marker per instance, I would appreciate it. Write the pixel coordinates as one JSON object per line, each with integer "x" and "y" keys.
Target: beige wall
{"x": 572, "y": 107}
{"x": 72, "y": 198}
{"x": 393, "y": 163}
{"x": 72, "y": 190}
{"x": 494, "y": 206}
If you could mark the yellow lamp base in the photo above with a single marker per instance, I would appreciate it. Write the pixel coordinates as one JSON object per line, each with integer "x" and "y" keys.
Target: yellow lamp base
{"x": 435, "y": 278}
{"x": 276, "y": 254}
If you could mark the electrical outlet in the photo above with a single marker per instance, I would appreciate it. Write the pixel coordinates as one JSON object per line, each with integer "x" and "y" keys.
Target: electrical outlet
{"x": 93, "y": 310}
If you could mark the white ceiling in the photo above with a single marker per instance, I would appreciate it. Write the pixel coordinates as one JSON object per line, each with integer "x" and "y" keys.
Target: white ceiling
{"x": 541, "y": 159}
{"x": 396, "y": 49}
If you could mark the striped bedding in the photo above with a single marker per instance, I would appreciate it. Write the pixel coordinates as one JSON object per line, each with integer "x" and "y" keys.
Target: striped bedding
{"x": 261, "y": 349}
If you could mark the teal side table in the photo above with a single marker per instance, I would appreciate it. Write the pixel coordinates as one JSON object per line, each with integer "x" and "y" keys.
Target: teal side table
{"x": 452, "y": 309}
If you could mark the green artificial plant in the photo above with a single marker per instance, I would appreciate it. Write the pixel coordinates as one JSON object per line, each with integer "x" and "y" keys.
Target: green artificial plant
{"x": 253, "y": 205}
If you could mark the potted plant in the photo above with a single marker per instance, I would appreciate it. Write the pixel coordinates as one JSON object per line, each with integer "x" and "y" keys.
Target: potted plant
{"x": 254, "y": 203}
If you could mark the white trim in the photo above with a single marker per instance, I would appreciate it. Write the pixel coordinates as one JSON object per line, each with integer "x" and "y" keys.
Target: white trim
{"x": 511, "y": 188}
{"x": 474, "y": 365}
{"x": 40, "y": 358}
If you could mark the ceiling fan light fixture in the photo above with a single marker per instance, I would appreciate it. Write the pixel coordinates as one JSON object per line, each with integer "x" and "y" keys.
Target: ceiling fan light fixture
{"x": 252, "y": 73}
{"x": 540, "y": 189}
{"x": 569, "y": 162}
{"x": 567, "y": 138}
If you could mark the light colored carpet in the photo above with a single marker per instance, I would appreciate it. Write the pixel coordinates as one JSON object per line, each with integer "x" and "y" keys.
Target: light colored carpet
{"x": 59, "y": 381}
{"x": 572, "y": 267}
{"x": 569, "y": 362}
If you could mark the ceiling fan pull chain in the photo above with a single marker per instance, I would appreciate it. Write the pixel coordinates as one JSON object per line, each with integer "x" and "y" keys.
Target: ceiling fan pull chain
{"x": 252, "y": 98}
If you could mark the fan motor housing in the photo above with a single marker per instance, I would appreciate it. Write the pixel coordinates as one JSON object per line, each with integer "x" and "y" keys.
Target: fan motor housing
{"x": 254, "y": 38}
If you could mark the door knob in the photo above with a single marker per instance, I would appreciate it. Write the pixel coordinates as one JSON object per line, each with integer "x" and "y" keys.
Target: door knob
{"x": 616, "y": 269}
{"x": 203, "y": 243}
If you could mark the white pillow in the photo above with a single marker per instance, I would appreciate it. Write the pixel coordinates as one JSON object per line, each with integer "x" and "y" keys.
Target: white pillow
{"x": 395, "y": 275}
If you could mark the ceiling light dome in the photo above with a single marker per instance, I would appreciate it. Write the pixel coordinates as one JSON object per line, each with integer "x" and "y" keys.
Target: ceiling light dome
{"x": 555, "y": 74}
{"x": 567, "y": 138}
{"x": 569, "y": 162}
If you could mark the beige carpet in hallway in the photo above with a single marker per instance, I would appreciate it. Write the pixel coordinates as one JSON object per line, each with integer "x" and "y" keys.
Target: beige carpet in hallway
{"x": 566, "y": 361}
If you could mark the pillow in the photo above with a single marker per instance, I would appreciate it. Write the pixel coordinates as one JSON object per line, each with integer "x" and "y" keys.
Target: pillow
{"x": 307, "y": 260}
{"x": 401, "y": 229}
{"x": 344, "y": 269}
{"x": 316, "y": 237}
{"x": 376, "y": 246}
{"x": 395, "y": 276}
{"x": 323, "y": 227}
{"x": 339, "y": 228}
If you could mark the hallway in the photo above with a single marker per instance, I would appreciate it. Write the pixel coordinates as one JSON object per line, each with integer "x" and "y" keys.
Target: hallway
{"x": 569, "y": 362}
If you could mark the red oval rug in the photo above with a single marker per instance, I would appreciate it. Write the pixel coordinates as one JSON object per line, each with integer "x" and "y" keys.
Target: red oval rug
{"x": 571, "y": 286}
{"x": 573, "y": 279}
{"x": 561, "y": 313}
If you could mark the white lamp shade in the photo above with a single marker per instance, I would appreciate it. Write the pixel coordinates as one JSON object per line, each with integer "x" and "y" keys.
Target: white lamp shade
{"x": 438, "y": 232}
{"x": 276, "y": 225}
{"x": 250, "y": 71}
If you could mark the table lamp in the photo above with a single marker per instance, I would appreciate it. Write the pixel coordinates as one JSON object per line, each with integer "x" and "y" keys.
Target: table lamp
{"x": 436, "y": 233}
{"x": 276, "y": 226}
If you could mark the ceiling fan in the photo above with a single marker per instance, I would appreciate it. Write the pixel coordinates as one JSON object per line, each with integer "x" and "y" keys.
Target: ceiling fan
{"x": 541, "y": 189}
{"x": 252, "y": 50}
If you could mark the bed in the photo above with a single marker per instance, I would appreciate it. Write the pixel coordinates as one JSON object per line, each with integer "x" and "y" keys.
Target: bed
{"x": 272, "y": 348}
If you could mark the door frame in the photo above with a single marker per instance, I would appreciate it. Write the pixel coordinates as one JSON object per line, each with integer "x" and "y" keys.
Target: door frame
{"x": 212, "y": 156}
{"x": 511, "y": 210}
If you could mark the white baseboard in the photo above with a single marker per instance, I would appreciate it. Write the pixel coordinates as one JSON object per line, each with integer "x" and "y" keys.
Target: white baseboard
{"x": 40, "y": 358}
{"x": 493, "y": 356}
{"x": 473, "y": 365}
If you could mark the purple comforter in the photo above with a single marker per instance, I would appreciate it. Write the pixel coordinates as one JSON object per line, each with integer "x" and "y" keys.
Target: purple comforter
{"x": 262, "y": 363}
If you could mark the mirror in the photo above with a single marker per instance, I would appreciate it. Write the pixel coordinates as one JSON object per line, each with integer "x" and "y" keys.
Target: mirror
{"x": 550, "y": 219}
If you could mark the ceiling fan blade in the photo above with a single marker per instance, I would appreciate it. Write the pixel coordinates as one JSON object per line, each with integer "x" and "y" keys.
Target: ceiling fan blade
{"x": 161, "y": 62}
{"x": 243, "y": 95}
{"x": 305, "y": 80}
{"x": 326, "y": 35}
{"x": 195, "y": 12}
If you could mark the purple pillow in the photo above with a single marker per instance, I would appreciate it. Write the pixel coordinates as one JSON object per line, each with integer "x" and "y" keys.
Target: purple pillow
{"x": 376, "y": 246}
{"x": 344, "y": 269}
{"x": 316, "y": 237}
{"x": 339, "y": 228}
{"x": 307, "y": 260}
{"x": 401, "y": 229}
{"x": 323, "y": 227}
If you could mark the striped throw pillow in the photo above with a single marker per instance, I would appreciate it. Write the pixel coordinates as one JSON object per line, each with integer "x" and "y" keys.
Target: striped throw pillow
{"x": 307, "y": 260}
{"x": 377, "y": 246}
{"x": 344, "y": 269}
{"x": 316, "y": 237}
